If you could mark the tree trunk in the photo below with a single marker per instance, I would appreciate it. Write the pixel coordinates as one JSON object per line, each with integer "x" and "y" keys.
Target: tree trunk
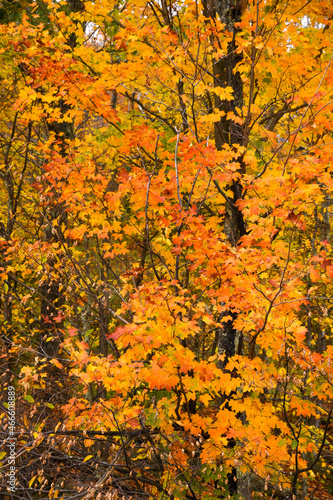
{"x": 229, "y": 133}
{"x": 52, "y": 298}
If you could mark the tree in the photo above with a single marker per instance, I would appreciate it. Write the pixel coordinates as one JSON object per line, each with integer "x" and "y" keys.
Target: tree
{"x": 166, "y": 255}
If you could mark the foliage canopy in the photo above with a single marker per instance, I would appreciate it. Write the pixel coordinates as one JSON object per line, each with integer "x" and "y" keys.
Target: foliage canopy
{"x": 166, "y": 257}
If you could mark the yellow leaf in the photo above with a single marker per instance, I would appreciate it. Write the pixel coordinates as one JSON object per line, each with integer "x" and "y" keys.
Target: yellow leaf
{"x": 206, "y": 319}
{"x": 224, "y": 93}
{"x": 57, "y": 426}
{"x": 205, "y": 399}
{"x": 31, "y": 482}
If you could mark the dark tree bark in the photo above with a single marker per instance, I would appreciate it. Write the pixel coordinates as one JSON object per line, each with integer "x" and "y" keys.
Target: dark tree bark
{"x": 52, "y": 299}
{"x": 229, "y": 133}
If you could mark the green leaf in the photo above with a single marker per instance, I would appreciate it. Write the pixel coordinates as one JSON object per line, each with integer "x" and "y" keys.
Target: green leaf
{"x": 294, "y": 444}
